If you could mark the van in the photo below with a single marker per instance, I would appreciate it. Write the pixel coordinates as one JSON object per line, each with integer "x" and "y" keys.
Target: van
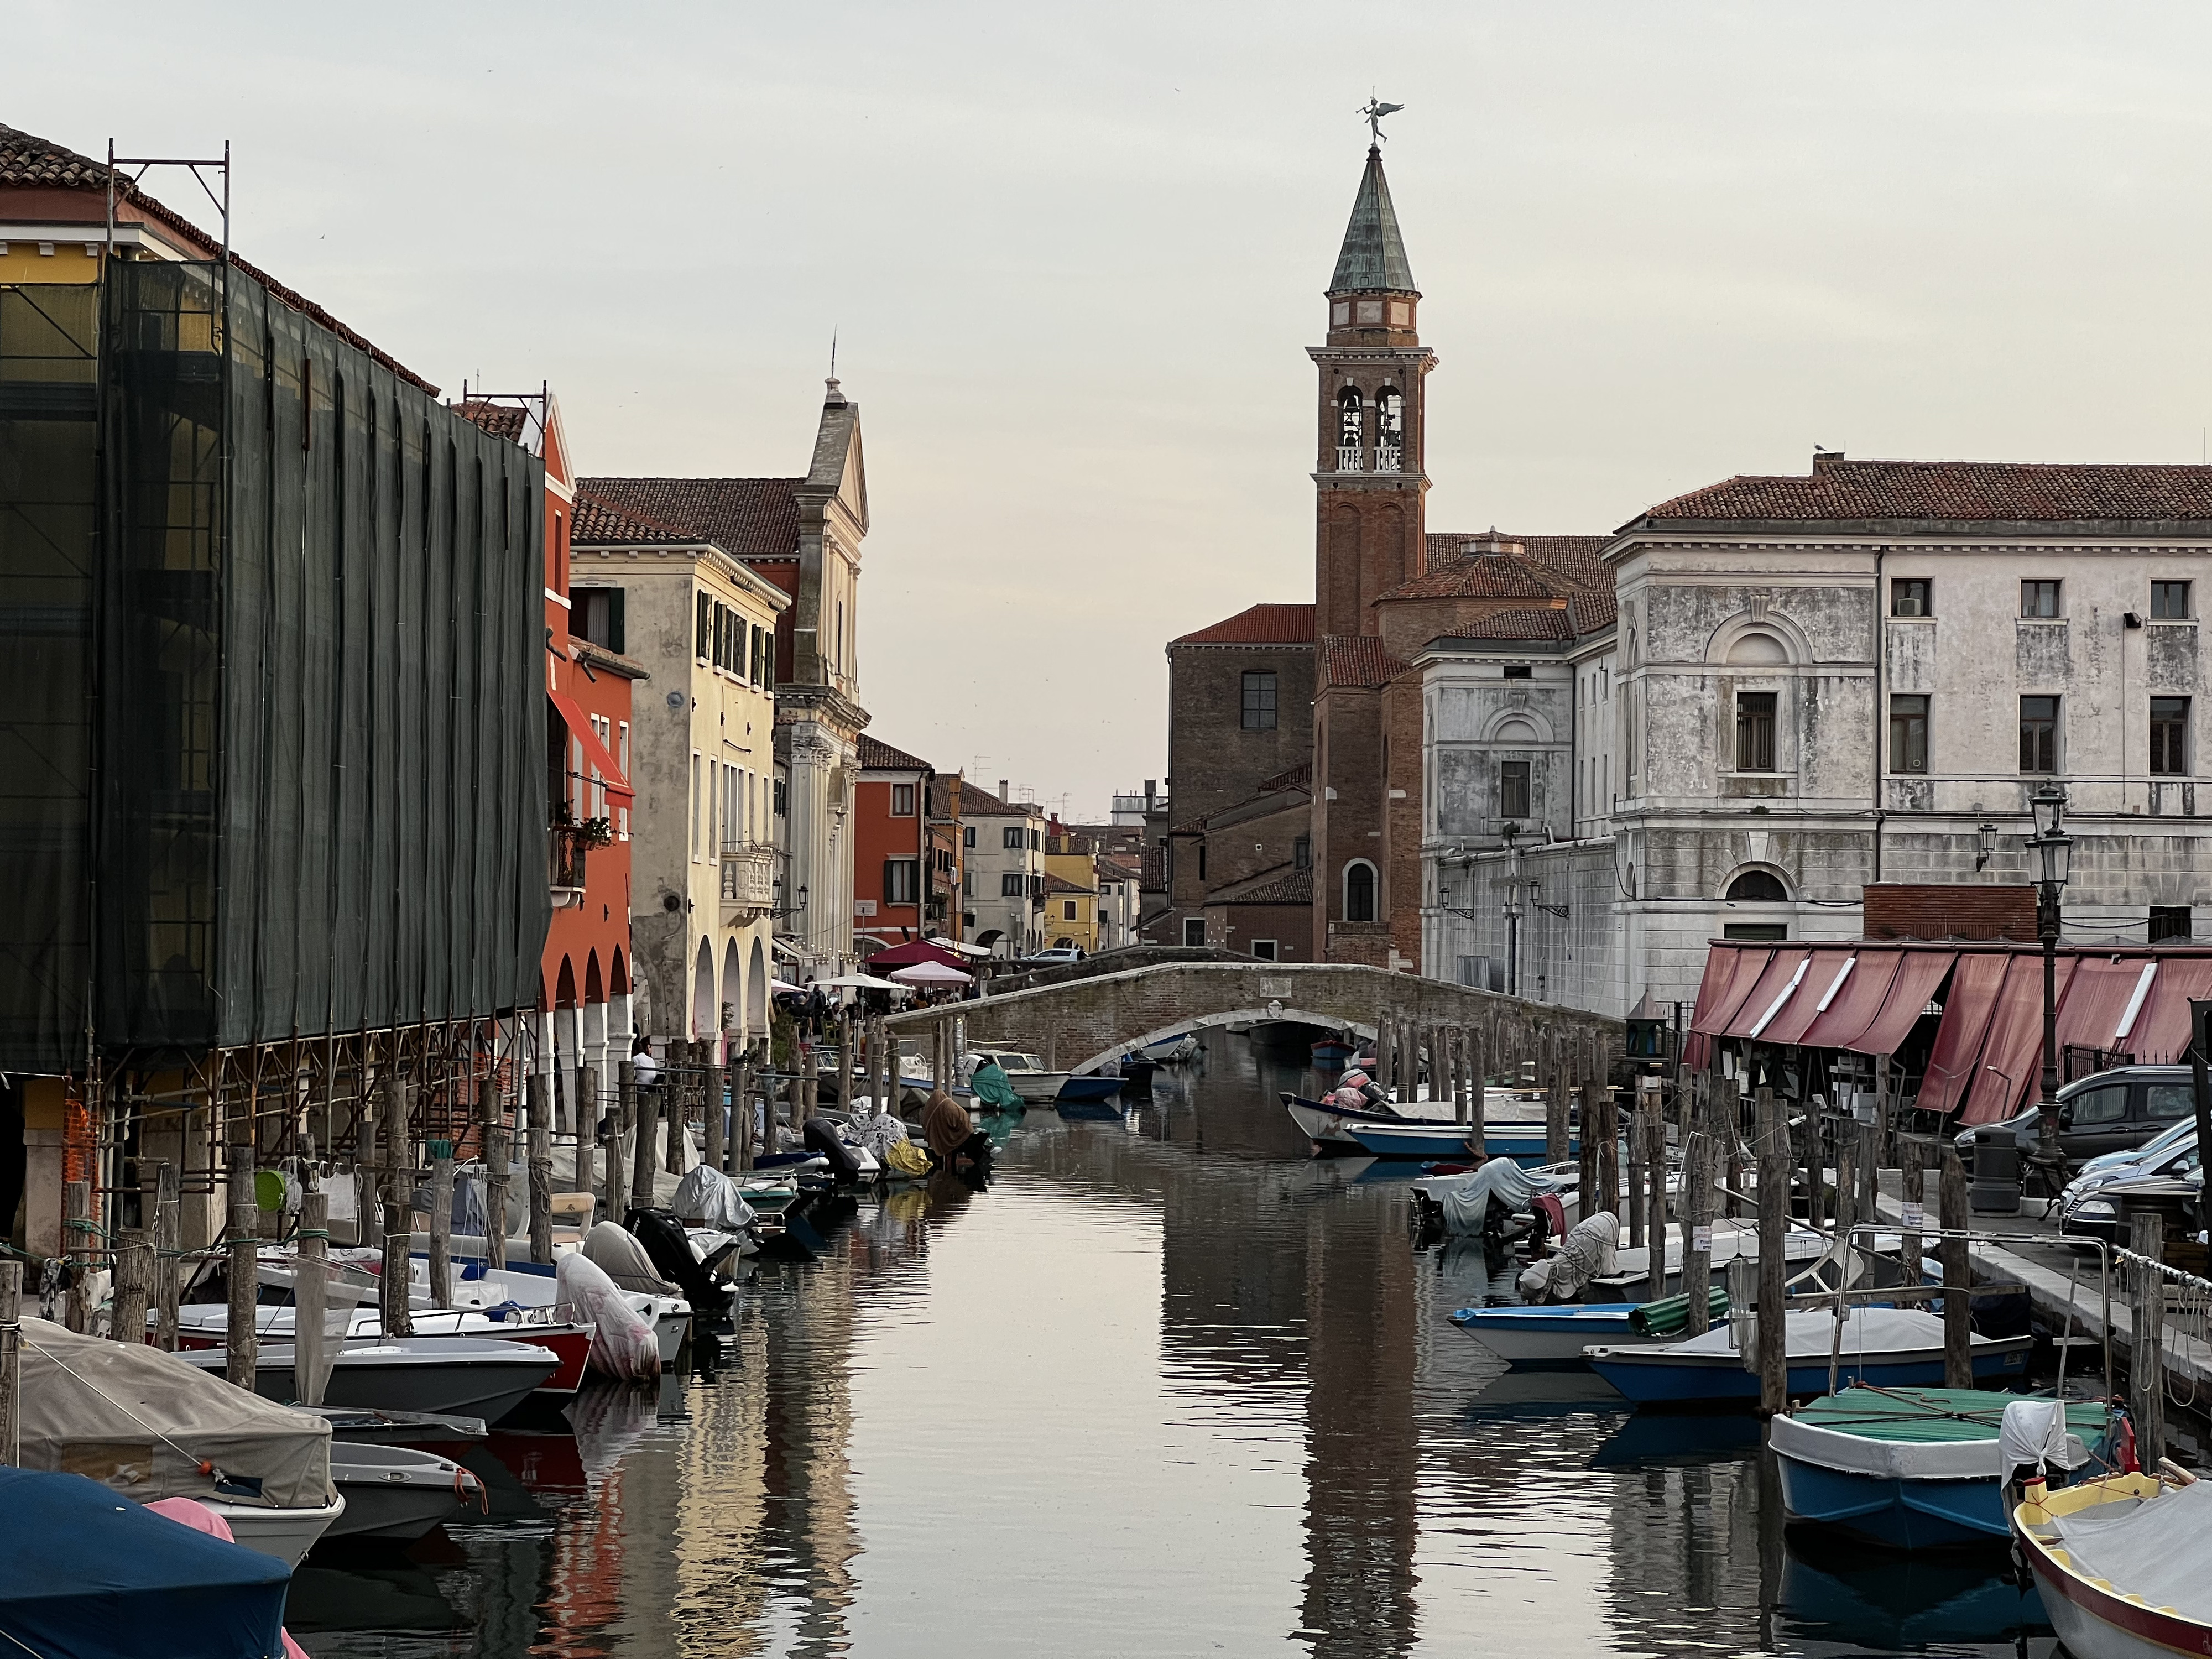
{"x": 2114, "y": 1111}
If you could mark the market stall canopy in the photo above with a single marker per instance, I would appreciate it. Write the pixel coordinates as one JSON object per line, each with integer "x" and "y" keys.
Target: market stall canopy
{"x": 1918, "y": 975}
{"x": 913, "y": 951}
{"x": 2104, "y": 1000}
{"x": 931, "y": 973}
{"x": 1857, "y": 1001}
{"x": 2012, "y": 1054}
{"x": 957, "y": 947}
{"x": 860, "y": 982}
{"x": 1783, "y": 973}
{"x": 1825, "y": 974}
{"x": 1966, "y": 1010}
{"x": 2162, "y": 1030}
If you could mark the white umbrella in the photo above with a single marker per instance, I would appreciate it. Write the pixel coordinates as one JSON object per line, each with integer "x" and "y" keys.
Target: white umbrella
{"x": 784, "y": 985}
{"x": 929, "y": 973}
{"x": 958, "y": 948}
{"x": 861, "y": 983}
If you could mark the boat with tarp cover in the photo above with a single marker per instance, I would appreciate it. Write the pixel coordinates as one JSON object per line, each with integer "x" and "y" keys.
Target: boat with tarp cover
{"x": 1912, "y": 1469}
{"x": 1893, "y": 1346}
{"x": 2122, "y": 1565}
{"x": 1557, "y": 1334}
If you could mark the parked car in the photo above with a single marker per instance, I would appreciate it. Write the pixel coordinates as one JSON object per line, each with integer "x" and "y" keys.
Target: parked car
{"x": 1058, "y": 953}
{"x": 2168, "y": 1184}
{"x": 2114, "y": 1111}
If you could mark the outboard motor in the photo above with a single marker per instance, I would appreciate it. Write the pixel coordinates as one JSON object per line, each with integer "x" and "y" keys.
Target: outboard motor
{"x": 662, "y": 1236}
{"x": 824, "y": 1142}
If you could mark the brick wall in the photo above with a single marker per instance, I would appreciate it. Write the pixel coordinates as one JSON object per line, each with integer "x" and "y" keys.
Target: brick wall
{"x": 1213, "y": 761}
{"x": 1952, "y": 910}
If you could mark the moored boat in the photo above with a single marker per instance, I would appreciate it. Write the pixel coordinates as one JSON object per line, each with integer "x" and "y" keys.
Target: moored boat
{"x": 1029, "y": 1078}
{"x": 1909, "y": 1469}
{"x": 1557, "y": 1334}
{"x": 203, "y": 1326}
{"x": 396, "y": 1492}
{"x": 1331, "y": 1051}
{"x": 1416, "y": 1139}
{"x": 1172, "y": 1050}
{"x": 453, "y": 1375}
{"x": 1084, "y": 1090}
{"x": 1894, "y": 1347}
{"x": 2121, "y": 1563}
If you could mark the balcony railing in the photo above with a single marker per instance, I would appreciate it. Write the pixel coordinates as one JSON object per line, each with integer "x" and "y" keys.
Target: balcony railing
{"x": 1386, "y": 458}
{"x": 569, "y": 849}
{"x": 748, "y": 880}
{"x": 1348, "y": 459}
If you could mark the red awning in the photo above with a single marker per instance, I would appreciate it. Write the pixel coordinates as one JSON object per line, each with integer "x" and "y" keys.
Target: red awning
{"x": 2012, "y": 1054}
{"x": 1966, "y": 1010}
{"x": 1918, "y": 975}
{"x": 1823, "y": 974}
{"x": 1853, "y": 1008}
{"x": 2160, "y": 1033}
{"x": 912, "y": 954}
{"x": 1784, "y": 973}
{"x": 2099, "y": 998}
{"x": 595, "y": 752}
{"x": 1713, "y": 1015}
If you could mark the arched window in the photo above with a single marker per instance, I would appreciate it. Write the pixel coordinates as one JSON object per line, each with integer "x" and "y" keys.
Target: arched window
{"x": 1759, "y": 887}
{"x": 1359, "y": 890}
{"x": 1389, "y": 429}
{"x": 1351, "y": 429}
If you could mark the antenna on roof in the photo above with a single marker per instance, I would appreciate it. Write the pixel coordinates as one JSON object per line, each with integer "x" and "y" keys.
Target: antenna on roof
{"x": 833, "y": 351}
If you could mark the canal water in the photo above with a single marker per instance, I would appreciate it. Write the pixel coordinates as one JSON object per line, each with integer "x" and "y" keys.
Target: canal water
{"x": 1165, "y": 1388}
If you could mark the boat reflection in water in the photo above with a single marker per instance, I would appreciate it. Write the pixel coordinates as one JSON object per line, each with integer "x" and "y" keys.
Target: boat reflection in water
{"x": 1162, "y": 1386}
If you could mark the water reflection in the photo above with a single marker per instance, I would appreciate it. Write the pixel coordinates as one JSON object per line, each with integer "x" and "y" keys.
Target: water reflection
{"x": 1166, "y": 1387}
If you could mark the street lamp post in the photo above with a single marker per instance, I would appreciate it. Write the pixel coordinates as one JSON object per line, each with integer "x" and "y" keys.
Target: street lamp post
{"x": 1512, "y": 911}
{"x": 2054, "y": 851}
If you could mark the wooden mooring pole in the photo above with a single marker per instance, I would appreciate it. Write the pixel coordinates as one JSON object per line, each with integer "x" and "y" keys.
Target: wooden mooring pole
{"x": 168, "y": 1240}
{"x": 76, "y": 1222}
{"x": 1957, "y": 1275}
{"x": 310, "y": 1296}
{"x": 441, "y": 1223}
{"x": 1639, "y": 1145}
{"x": 134, "y": 1283}
{"x": 11, "y": 1361}
{"x": 1697, "y": 1211}
{"x": 242, "y": 1244}
{"x": 541, "y": 1170}
{"x": 398, "y": 1229}
{"x": 644, "y": 1107}
{"x": 616, "y": 1183}
{"x": 1774, "y": 1170}
{"x": 2147, "y": 1374}
{"x": 718, "y": 1115}
{"x": 498, "y": 1161}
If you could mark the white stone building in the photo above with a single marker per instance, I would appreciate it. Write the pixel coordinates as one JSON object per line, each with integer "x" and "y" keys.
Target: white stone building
{"x": 1003, "y": 875}
{"x": 1810, "y": 684}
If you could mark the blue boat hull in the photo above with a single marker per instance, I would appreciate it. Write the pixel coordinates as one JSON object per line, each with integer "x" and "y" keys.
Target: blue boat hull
{"x": 1449, "y": 1140}
{"x": 1897, "y": 1514}
{"x": 1080, "y": 1090}
{"x": 1654, "y": 1382}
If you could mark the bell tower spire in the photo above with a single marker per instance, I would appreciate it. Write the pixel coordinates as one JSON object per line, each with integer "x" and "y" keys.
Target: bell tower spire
{"x": 1371, "y": 489}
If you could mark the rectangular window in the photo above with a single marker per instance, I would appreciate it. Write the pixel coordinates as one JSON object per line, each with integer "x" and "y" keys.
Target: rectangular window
{"x": 1302, "y": 853}
{"x": 2038, "y": 598}
{"x": 967, "y": 835}
{"x": 968, "y": 884}
{"x": 697, "y": 805}
{"x": 1067, "y": 909}
{"x": 902, "y": 881}
{"x": 1263, "y": 949}
{"x": 1520, "y": 671}
{"x": 1908, "y": 733}
{"x": 1513, "y": 789}
{"x": 902, "y": 800}
{"x": 783, "y": 797}
{"x": 1755, "y": 731}
{"x": 2169, "y": 601}
{"x": 2169, "y": 921}
{"x": 2169, "y": 736}
{"x": 597, "y": 616}
{"x": 706, "y": 623}
{"x": 1909, "y": 597}
{"x": 2038, "y": 734}
{"x": 1011, "y": 884}
{"x": 1193, "y": 930}
{"x": 1754, "y": 931}
{"x": 1259, "y": 702}
{"x": 1014, "y": 840}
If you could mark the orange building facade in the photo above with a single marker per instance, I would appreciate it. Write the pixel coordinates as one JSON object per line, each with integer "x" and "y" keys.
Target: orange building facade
{"x": 895, "y": 856}
{"x": 584, "y": 996}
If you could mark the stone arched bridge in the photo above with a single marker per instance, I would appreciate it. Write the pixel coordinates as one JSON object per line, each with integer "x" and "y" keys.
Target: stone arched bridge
{"x": 1085, "y": 1022}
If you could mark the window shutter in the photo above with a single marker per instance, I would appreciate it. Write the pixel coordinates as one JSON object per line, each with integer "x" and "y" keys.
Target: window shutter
{"x": 615, "y": 641}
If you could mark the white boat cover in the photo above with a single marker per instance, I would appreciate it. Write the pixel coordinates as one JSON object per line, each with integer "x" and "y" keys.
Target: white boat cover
{"x": 1867, "y": 1332}
{"x": 623, "y": 1345}
{"x": 1585, "y": 1254}
{"x": 2157, "y": 1548}
{"x": 2033, "y": 1432}
{"x": 624, "y": 1259}
{"x": 710, "y": 1198}
{"x": 1465, "y": 1198}
{"x": 144, "y": 1421}
{"x": 1908, "y": 1460}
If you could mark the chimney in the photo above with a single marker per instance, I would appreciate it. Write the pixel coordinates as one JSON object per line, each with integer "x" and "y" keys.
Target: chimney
{"x": 1822, "y": 458}
{"x": 1151, "y": 794}
{"x": 1003, "y": 795}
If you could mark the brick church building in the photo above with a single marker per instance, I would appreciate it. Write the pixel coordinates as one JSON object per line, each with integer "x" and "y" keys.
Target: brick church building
{"x": 1295, "y": 731}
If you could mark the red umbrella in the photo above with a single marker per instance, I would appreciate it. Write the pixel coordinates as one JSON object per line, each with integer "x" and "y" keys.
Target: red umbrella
{"x": 905, "y": 955}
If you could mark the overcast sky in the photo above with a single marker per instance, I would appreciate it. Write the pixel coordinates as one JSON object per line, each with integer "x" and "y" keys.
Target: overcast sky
{"x": 1073, "y": 256}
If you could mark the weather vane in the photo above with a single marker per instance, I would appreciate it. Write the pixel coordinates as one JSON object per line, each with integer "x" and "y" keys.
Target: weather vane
{"x": 1375, "y": 110}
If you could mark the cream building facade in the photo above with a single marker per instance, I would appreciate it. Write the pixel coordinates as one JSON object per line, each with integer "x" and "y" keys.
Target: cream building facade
{"x": 704, "y": 866}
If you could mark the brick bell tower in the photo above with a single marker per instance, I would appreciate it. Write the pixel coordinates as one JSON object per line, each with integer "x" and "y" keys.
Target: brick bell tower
{"x": 1370, "y": 486}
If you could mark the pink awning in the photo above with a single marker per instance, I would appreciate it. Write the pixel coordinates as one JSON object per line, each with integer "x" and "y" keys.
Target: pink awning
{"x": 2012, "y": 1054}
{"x": 1784, "y": 974}
{"x": 1853, "y": 1007}
{"x": 2099, "y": 998}
{"x": 1966, "y": 1010}
{"x": 1821, "y": 979}
{"x": 2160, "y": 1033}
{"x": 1918, "y": 975}
{"x": 1750, "y": 962}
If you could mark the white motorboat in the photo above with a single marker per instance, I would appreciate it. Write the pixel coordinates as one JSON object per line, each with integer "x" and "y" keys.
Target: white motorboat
{"x": 1173, "y": 1050}
{"x": 453, "y": 1376}
{"x": 152, "y": 1425}
{"x": 1026, "y": 1073}
{"x": 207, "y": 1326}
{"x": 670, "y": 1317}
{"x": 396, "y": 1492}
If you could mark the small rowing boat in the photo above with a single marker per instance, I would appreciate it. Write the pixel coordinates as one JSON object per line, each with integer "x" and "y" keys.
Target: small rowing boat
{"x": 2122, "y": 1564}
{"x": 1896, "y": 1347}
{"x": 1556, "y": 1335}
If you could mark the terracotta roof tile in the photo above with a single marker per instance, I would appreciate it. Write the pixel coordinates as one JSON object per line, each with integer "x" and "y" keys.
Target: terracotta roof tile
{"x": 1155, "y": 875}
{"x": 1553, "y": 623}
{"x": 876, "y": 755}
{"x": 1993, "y": 491}
{"x": 1485, "y": 576}
{"x": 602, "y": 524}
{"x": 750, "y": 518}
{"x": 1592, "y": 612}
{"x": 1263, "y": 624}
{"x": 507, "y": 421}
{"x": 1358, "y": 661}
{"x": 1061, "y": 885}
{"x": 1295, "y": 887}
{"x": 1576, "y": 557}
{"x": 1298, "y": 777}
{"x": 977, "y": 802}
{"x": 35, "y": 162}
